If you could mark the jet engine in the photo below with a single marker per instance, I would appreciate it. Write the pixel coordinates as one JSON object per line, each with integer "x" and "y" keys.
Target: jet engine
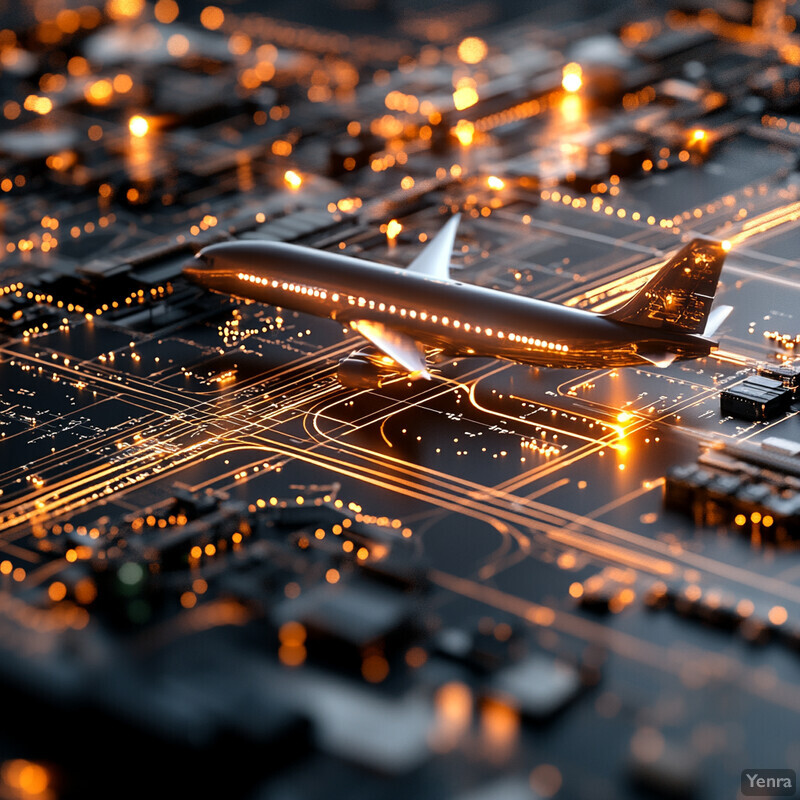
{"x": 367, "y": 368}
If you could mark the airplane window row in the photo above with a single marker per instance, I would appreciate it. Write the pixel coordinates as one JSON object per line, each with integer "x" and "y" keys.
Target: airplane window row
{"x": 362, "y": 302}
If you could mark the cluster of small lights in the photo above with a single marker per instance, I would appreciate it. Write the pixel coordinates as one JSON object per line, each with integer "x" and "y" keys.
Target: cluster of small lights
{"x": 784, "y": 340}
{"x": 526, "y": 110}
{"x": 50, "y": 300}
{"x": 632, "y": 100}
{"x": 598, "y": 205}
{"x": 37, "y": 104}
{"x": 543, "y": 448}
{"x": 779, "y": 123}
{"x": 101, "y": 92}
{"x": 151, "y": 521}
{"x": 7, "y": 184}
{"x": 155, "y": 292}
{"x": 17, "y": 573}
{"x": 345, "y": 205}
{"x": 745, "y": 608}
{"x": 208, "y": 221}
{"x": 380, "y": 163}
{"x": 620, "y": 597}
{"x": 292, "y": 179}
{"x": 398, "y": 101}
{"x": 756, "y": 518}
{"x": 90, "y": 227}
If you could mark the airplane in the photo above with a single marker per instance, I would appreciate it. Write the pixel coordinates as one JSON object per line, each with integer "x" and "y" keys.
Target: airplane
{"x": 400, "y": 312}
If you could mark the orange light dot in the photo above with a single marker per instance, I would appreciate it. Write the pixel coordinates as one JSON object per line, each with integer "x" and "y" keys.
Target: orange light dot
{"x": 375, "y": 668}
{"x": 291, "y": 656}
{"x": 778, "y": 615}
{"x": 100, "y": 92}
{"x": 332, "y": 576}
{"x": 472, "y": 50}
{"x": 292, "y": 634}
{"x": 178, "y": 45}
{"x": 393, "y": 229}
{"x": 166, "y": 11}
{"x": 212, "y": 17}
{"x": 124, "y": 9}
{"x": 292, "y": 179}
{"x": 138, "y": 126}
{"x": 57, "y": 591}
{"x": 572, "y": 77}
{"x": 576, "y": 590}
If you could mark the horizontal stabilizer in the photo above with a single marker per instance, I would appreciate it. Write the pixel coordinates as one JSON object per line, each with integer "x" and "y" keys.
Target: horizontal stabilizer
{"x": 715, "y": 319}
{"x": 659, "y": 359}
{"x": 400, "y": 347}
{"x": 434, "y": 260}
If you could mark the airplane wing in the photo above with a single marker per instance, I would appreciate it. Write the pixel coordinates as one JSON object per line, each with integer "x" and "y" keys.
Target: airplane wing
{"x": 434, "y": 260}
{"x": 398, "y": 346}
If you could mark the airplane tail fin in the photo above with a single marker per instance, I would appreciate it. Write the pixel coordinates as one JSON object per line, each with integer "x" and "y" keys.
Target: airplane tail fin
{"x": 678, "y": 298}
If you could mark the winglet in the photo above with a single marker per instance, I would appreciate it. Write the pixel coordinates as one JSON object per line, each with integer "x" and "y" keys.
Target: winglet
{"x": 434, "y": 260}
{"x": 715, "y": 319}
{"x": 659, "y": 360}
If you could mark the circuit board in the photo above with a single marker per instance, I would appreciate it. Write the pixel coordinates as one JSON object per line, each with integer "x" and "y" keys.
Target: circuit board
{"x": 220, "y": 565}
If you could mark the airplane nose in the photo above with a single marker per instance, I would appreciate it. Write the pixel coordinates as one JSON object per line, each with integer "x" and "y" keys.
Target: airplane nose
{"x": 198, "y": 270}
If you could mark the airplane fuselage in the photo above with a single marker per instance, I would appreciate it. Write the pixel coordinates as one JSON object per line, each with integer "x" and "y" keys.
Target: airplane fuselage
{"x": 461, "y": 319}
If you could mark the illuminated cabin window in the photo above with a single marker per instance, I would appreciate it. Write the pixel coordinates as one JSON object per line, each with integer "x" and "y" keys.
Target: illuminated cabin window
{"x": 488, "y": 331}
{"x": 382, "y": 307}
{"x": 500, "y": 335}
{"x": 467, "y": 326}
{"x": 392, "y": 309}
{"x": 403, "y": 312}
{"x": 334, "y": 297}
{"x": 456, "y": 323}
{"x": 412, "y": 314}
{"x": 445, "y": 321}
{"x": 434, "y": 318}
